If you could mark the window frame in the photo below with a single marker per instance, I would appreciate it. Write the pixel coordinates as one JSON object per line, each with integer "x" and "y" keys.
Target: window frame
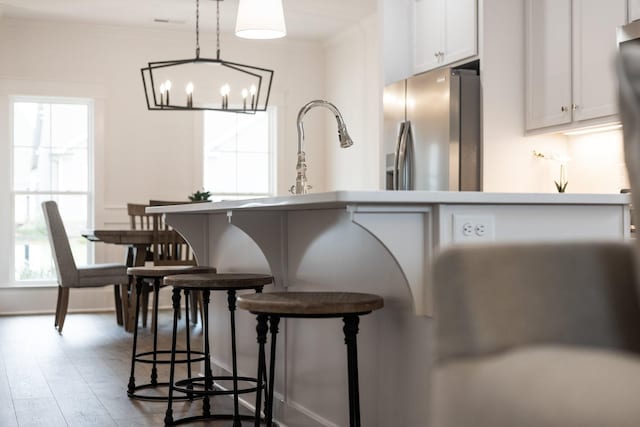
{"x": 272, "y": 120}
{"x": 12, "y": 193}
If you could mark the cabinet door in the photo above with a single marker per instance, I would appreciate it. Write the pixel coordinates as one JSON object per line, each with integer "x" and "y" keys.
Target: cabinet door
{"x": 427, "y": 33}
{"x": 460, "y": 30}
{"x": 548, "y": 63}
{"x": 594, "y": 50}
{"x": 634, "y": 10}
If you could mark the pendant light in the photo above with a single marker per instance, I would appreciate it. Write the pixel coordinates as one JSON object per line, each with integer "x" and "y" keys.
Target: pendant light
{"x": 206, "y": 84}
{"x": 260, "y": 19}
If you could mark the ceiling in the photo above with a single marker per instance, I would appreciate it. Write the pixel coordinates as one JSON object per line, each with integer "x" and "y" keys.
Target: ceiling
{"x": 305, "y": 19}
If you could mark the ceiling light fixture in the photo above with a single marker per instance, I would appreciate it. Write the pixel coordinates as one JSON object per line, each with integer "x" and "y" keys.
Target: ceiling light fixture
{"x": 260, "y": 19}
{"x": 208, "y": 84}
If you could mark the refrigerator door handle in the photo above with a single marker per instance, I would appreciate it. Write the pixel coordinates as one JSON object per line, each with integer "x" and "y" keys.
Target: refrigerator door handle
{"x": 402, "y": 157}
{"x": 396, "y": 160}
{"x": 407, "y": 172}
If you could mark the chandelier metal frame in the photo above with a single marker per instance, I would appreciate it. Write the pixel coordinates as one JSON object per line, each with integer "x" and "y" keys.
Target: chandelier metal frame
{"x": 257, "y": 102}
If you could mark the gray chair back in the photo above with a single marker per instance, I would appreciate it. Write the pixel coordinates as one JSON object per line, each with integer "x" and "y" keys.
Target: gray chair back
{"x": 629, "y": 106}
{"x": 60, "y": 247}
{"x": 493, "y": 298}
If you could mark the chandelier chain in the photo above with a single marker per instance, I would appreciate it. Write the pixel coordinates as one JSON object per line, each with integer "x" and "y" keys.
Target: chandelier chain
{"x": 218, "y": 29}
{"x": 197, "y": 28}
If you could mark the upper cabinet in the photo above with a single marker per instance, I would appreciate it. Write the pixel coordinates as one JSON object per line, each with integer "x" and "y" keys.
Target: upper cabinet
{"x": 634, "y": 10}
{"x": 444, "y": 32}
{"x": 570, "y": 48}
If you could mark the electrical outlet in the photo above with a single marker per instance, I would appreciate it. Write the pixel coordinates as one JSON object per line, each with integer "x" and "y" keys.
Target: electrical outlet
{"x": 467, "y": 229}
{"x": 473, "y": 228}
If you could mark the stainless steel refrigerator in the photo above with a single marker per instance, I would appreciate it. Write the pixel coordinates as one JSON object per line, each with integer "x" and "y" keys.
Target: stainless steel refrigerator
{"x": 432, "y": 132}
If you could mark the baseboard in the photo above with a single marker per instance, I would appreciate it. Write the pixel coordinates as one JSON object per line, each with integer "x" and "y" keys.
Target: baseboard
{"x": 287, "y": 414}
{"x": 42, "y": 300}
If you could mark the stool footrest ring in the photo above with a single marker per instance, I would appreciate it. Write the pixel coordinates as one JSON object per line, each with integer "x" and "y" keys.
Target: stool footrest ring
{"x": 183, "y": 386}
{"x": 141, "y": 357}
{"x": 214, "y": 417}
{"x": 158, "y": 398}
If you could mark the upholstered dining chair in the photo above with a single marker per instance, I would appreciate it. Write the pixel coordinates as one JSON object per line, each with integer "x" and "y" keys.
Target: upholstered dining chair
{"x": 547, "y": 334}
{"x": 72, "y": 276}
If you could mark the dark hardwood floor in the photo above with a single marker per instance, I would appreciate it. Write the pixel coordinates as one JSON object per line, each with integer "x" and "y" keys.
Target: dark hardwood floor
{"x": 79, "y": 378}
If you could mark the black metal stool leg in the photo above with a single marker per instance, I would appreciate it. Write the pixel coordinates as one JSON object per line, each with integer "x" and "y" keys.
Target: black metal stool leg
{"x": 231, "y": 301}
{"x": 188, "y": 339}
{"x": 208, "y": 375}
{"x": 350, "y": 330}
{"x": 168, "y": 418}
{"x": 261, "y": 329}
{"x": 268, "y": 406}
{"x": 131, "y": 387}
{"x": 156, "y": 291}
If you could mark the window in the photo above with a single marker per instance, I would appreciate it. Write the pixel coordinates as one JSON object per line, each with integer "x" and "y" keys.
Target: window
{"x": 239, "y": 154}
{"x": 51, "y": 160}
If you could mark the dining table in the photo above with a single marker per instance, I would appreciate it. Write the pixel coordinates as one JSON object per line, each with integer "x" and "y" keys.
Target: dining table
{"x": 138, "y": 244}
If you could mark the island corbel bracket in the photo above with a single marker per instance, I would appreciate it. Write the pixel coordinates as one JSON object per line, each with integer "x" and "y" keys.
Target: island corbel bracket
{"x": 194, "y": 228}
{"x": 269, "y": 230}
{"x": 406, "y": 233}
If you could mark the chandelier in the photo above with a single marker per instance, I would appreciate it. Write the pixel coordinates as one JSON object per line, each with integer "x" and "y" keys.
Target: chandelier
{"x": 204, "y": 83}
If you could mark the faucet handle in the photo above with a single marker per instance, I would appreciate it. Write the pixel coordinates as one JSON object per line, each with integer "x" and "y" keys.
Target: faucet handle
{"x": 300, "y": 189}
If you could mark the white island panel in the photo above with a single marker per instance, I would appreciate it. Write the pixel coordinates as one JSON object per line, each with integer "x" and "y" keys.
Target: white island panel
{"x": 379, "y": 242}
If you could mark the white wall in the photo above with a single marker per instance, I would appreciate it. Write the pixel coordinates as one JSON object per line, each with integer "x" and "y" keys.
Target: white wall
{"x": 509, "y": 164}
{"x": 143, "y": 154}
{"x": 353, "y": 75}
{"x": 596, "y": 165}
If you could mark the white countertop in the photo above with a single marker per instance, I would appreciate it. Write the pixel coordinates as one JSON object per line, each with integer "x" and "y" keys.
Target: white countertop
{"x": 337, "y": 199}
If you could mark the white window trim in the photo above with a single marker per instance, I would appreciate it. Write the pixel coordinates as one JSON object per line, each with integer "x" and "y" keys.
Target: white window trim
{"x": 198, "y": 177}
{"x": 90, "y": 193}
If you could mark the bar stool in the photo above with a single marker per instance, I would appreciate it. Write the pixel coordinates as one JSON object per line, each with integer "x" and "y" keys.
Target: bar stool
{"x": 155, "y": 274}
{"x": 273, "y": 306}
{"x": 205, "y": 386}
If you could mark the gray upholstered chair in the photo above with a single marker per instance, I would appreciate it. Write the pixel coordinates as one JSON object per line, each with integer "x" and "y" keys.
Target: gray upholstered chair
{"x": 71, "y": 276}
{"x": 543, "y": 335}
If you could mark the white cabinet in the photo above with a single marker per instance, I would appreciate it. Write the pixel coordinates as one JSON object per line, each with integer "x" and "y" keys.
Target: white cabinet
{"x": 444, "y": 31}
{"x": 634, "y": 10}
{"x": 548, "y": 48}
{"x": 570, "y": 50}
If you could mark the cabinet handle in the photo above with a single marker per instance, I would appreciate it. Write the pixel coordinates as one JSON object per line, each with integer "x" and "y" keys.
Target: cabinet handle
{"x": 564, "y": 109}
{"x": 574, "y": 107}
{"x": 437, "y": 55}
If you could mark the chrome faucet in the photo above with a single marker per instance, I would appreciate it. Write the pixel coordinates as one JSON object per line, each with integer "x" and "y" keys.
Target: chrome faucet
{"x": 301, "y": 186}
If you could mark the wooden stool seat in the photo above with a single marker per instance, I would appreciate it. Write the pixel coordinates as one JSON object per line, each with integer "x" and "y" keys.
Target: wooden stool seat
{"x": 272, "y": 306}
{"x": 219, "y": 282}
{"x": 310, "y": 303}
{"x": 154, "y": 271}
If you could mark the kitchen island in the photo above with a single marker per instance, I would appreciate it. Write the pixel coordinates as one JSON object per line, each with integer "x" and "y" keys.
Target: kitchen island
{"x": 379, "y": 242}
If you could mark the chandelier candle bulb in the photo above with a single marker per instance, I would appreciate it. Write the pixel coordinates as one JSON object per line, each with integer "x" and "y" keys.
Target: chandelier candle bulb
{"x": 189, "y": 90}
{"x": 162, "y": 91}
{"x": 224, "y": 91}
{"x": 252, "y": 91}
{"x": 245, "y": 93}
{"x": 167, "y": 86}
